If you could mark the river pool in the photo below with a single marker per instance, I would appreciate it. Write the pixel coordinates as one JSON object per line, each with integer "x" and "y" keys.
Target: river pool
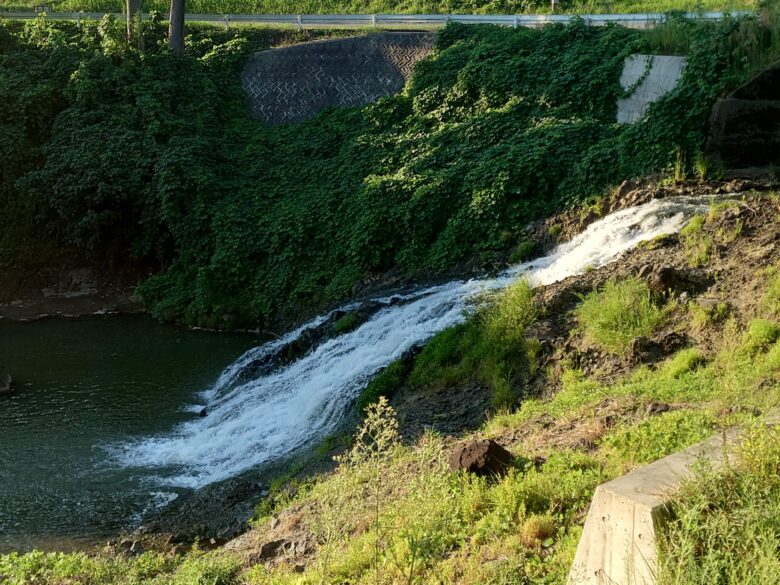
{"x": 85, "y": 387}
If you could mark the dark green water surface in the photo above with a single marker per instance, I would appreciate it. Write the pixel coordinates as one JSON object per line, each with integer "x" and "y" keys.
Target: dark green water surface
{"x": 84, "y": 386}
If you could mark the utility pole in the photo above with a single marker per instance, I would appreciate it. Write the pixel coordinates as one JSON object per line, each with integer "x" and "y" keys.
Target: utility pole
{"x": 133, "y": 13}
{"x": 176, "y": 27}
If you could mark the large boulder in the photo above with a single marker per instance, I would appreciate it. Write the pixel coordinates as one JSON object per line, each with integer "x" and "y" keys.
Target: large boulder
{"x": 482, "y": 457}
{"x": 664, "y": 279}
{"x": 6, "y": 382}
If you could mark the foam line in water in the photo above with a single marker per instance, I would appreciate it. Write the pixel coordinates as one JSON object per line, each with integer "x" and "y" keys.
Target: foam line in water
{"x": 269, "y": 417}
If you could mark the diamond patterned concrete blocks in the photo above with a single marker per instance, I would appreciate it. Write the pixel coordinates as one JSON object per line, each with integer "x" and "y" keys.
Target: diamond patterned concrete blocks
{"x": 294, "y": 83}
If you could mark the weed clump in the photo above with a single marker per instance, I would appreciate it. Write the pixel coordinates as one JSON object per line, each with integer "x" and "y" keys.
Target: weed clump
{"x": 724, "y": 526}
{"x": 618, "y": 313}
{"x": 490, "y": 348}
{"x": 698, "y": 244}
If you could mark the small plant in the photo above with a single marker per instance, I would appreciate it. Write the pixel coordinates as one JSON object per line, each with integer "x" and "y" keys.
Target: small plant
{"x": 697, "y": 243}
{"x": 522, "y": 252}
{"x": 554, "y": 231}
{"x": 621, "y": 311}
{"x": 384, "y": 384}
{"x": 684, "y": 361}
{"x": 536, "y": 530}
{"x": 772, "y": 297}
{"x": 762, "y": 333}
{"x": 679, "y": 174}
{"x": 701, "y": 166}
{"x": 703, "y": 317}
{"x": 347, "y": 323}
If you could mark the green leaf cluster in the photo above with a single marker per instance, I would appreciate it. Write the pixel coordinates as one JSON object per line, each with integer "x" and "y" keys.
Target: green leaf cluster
{"x": 123, "y": 153}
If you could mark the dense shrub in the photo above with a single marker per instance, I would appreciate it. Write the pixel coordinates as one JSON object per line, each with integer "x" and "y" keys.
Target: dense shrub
{"x": 126, "y": 153}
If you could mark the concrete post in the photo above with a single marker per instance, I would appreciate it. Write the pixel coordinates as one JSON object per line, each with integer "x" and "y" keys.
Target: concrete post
{"x": 300, "y": 24}
{"x": 619, "y": 544}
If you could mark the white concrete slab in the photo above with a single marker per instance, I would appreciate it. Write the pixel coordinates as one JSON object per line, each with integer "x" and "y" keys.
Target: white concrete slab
{"x": 619, "y": 544}
{"x": 654, "y": 76}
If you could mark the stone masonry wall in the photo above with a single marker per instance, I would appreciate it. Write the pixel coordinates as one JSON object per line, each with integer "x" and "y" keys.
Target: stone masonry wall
{"x": 294, "y": 83}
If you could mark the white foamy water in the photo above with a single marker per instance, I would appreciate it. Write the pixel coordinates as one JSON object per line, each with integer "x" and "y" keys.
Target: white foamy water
{"x": 250, "y": 423}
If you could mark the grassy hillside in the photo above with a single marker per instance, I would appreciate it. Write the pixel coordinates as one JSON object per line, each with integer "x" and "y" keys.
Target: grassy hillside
{"x": 392, "y": 512}
{"x": 397, "y": 6}
{"x": 125, "y": 153}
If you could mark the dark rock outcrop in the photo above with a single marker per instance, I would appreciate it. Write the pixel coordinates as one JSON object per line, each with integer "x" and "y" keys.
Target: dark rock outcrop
{"x": 745, "y": 125}
{"x": 6, "y": 382}
{"x": 481, "y": 457}
{"x": 216, "y": 512}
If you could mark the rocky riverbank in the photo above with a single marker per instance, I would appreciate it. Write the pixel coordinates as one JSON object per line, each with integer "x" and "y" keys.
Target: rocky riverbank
{"x": 219, "y": 512}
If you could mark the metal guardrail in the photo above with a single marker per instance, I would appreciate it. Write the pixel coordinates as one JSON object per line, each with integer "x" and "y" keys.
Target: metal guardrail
{"x": 301, "y": 21}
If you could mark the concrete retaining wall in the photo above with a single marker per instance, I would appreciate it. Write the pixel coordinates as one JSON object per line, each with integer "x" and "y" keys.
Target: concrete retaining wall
{"x": 294, "y": 83}
{"x": 653, "y": 76}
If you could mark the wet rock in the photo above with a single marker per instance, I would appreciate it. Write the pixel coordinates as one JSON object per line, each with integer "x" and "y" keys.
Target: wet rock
{"x": 481, "y": 457}
{"x": 6, "y": 382}
{"x": 218, "y": 511}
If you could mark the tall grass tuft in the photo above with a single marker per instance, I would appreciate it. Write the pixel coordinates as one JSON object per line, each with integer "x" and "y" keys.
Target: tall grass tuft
{"x": 621, "y": 311}
{"x": 726, "y": 524}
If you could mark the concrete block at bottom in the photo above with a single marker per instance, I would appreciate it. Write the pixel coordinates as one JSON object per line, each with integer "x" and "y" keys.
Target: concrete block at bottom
{"x": 619, "y": 542}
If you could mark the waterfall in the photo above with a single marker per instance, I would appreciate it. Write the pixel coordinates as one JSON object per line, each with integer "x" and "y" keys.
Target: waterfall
{"x": 252, "y": 422}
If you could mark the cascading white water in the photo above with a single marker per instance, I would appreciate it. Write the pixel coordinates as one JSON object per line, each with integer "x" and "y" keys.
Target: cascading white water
{"x": 250, "y": 423}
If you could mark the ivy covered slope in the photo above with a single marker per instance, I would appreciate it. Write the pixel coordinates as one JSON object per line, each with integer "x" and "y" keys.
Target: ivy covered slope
{"x": 126, "y": 153}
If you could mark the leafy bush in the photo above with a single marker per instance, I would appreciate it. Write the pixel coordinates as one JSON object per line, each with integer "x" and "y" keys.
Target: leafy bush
{"x": 618, "y": 313}
{"x": 122, "y": 153}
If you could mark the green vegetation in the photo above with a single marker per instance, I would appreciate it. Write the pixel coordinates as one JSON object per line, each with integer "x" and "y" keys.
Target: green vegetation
{"x": 386, "y": 383}
{"x": 698, "y": 243}
{"x": 701, "y": 317}
{"x": 522, "y": 252}
{"x": 618, "y": 313}
{"x": 725, "y": 523}
{"x": 490, "y": 349}
{"x": 394, "y": 513}
{"x": 346, "y": 323}
{"x": 126, "y": 154}
{"x": 396, "y": 6}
